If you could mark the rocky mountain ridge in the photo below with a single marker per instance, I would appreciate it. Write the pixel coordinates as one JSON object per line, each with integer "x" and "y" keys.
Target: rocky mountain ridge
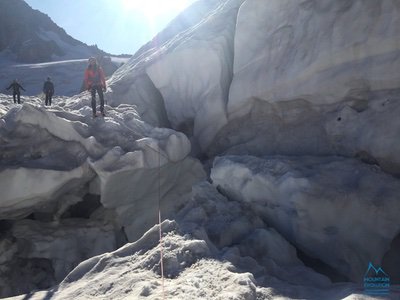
{"x": 29, "y": 36}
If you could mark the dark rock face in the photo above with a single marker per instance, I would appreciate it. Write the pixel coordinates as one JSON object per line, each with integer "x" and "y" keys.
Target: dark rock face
{"x": 23, "y": 33}
{"x": 37, "y": 50}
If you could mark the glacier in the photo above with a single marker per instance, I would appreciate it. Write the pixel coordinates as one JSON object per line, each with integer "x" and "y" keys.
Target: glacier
{"x": 249, "y": 151}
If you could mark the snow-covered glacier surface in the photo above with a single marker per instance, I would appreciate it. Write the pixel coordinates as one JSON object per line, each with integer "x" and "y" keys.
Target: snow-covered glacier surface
{"x": 263, "y": 136}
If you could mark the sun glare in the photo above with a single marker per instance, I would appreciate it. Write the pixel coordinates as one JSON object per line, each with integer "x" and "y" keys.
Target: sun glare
{"x": 154, "y": 8}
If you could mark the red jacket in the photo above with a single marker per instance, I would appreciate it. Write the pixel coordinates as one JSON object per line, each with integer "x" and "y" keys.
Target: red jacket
{"x": 94, "y": 77}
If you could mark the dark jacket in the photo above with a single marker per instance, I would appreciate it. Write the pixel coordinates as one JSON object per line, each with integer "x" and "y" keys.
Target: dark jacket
{"x": 16, "y": 86}
{"x": 48, "y": 87}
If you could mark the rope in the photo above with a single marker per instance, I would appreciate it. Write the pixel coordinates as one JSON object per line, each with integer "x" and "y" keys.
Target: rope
{"x": 159, "y": 226}
{"x": 159, "y": 217}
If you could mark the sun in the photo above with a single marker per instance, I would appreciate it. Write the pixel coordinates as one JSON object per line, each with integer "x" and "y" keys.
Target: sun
{"x": 154, "y": 8}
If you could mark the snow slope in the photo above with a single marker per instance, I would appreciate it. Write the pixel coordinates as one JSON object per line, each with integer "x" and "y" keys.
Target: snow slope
{"x": 67, "y": 75}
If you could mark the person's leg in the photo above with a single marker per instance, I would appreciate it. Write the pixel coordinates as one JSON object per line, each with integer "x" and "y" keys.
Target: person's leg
{"x": 47, "y": 99}
{"x": 93, "y": 92}
{"x": 50, "y": 96}
{"x": 19, "y": 98}
{"x": 14, "y": 97}
{"x": 101, "y": 96}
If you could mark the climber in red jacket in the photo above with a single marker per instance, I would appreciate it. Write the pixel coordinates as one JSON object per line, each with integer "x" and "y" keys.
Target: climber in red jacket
{"x": 95, "y": 82}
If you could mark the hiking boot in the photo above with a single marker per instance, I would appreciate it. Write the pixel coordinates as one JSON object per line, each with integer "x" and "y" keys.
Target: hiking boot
{"x": 94, "y": 115}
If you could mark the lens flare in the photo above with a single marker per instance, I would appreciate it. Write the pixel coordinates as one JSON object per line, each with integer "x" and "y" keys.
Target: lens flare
{"x": 154, "y": 8}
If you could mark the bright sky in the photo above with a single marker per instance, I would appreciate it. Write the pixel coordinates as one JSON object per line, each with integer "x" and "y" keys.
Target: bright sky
{"x": 116, "y": 26}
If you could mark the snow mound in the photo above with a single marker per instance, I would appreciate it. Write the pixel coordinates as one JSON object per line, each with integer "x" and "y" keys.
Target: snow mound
{"x": 258, "y": 265}
{"x": 188, "y": 76}
{"x": 59, "y": 164}
{"x": 313, "y": 202}
{"x": 134, "y": 271}
{"x": 321, "y": 51}
{"x": 246, "y": 58}
{"x": 56, "y": 150}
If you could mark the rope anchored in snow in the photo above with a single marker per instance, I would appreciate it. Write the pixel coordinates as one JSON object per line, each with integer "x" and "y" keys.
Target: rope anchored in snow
{"x": 160, "y": 219}
{"x": 159, "y": 224}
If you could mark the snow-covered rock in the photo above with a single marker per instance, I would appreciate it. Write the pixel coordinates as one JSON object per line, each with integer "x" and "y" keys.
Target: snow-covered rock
{"x": 272, "y": 71}
{"x": 59, "y": 150}
{"x": 55, "y": 159}
{"x": 58, "y": 242}
{"x": 192, "y": 71}
{"x": 364, "y": 132}
{"x": 26, "y": 190}
{"x": 257, "y": 264}
{"x": 189, "y": 273}
{"x": 339, "y": 210}
{"x": 308, "y": 81}
{"x": 138, "y": 193}
{"x": 352, "y": 128}
{"x": 320, "y": 51}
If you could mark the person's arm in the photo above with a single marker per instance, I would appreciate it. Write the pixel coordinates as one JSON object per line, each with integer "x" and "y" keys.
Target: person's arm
{"x": 9, "y": 87}
{"x": 52, "y": 88}
{"x": 21, "y": 86}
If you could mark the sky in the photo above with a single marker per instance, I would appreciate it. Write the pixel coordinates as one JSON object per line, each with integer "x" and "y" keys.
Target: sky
{"x": 115, "y": 26}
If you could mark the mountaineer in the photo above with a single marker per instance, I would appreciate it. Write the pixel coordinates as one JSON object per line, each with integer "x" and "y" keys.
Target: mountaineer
{"x": 95, "y": 82}
{"x": 16, "y": 92}
{"x": 48, "y": 90}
